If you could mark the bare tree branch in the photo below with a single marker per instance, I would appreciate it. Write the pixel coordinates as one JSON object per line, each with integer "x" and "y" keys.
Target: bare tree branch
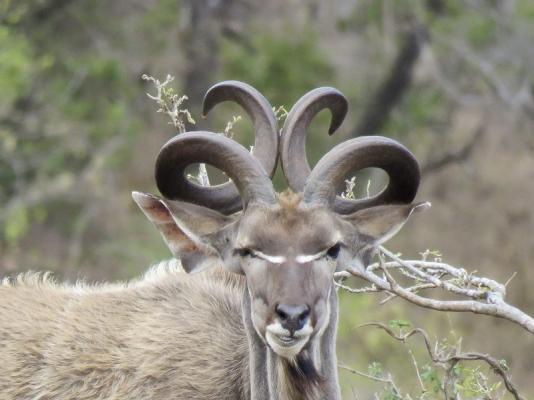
{"x": 484, "y": 296}
{"x": 388, "y": 380}
{"x": 452, "y": 360}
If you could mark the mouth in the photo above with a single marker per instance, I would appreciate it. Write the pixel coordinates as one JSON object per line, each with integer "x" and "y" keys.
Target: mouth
{"x": 285, "y": 345}
{"x": 285, "y": 341}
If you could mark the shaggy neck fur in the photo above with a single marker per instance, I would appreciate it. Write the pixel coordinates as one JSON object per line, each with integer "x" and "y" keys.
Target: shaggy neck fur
{"x": 312, "y": 375}
{"x": 150, "y": 340}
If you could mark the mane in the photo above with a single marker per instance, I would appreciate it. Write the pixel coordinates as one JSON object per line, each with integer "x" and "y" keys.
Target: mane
{"x": 30, "y": 279}
{"x": 157, "y": 273}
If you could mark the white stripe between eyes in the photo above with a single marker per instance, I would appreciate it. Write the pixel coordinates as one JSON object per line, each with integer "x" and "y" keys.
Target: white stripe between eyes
{"x": 303, "y": 258}
{"x": 266, "y": 257}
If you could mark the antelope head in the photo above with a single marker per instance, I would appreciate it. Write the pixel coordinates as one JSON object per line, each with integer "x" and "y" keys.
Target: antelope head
{"x": 288, "y": 246}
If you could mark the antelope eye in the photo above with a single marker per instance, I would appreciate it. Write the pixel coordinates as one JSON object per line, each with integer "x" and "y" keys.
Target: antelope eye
{"x": 244, "y": 252}
{"x": 333, "y": 251}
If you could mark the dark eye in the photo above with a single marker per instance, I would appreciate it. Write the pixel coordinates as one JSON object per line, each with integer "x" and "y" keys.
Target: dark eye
{"x": 333, "y": 251}
{"x": 244, "y": 252}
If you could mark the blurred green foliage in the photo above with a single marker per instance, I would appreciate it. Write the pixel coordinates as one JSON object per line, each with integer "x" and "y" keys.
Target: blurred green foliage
{"x": 77, "y": 132}
{"x": 15, "y": 63}
{"x": 76, "y": 100}
{"x": 283, "y": 67}
{"x": 277, "y": 63}
{"x": 427, "y": 106}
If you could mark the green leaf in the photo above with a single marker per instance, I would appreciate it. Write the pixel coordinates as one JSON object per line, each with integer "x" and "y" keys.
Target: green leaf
{"x": 375, "y": 369}
{"x": 399, "y": 323}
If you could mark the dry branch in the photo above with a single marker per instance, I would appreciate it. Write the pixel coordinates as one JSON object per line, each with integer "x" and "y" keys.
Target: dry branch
{"x": 479, "y": 295}
{"x": 451, "y": 360}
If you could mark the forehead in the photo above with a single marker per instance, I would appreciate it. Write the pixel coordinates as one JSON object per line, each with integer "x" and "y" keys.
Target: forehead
{"x": 280, "y": 229}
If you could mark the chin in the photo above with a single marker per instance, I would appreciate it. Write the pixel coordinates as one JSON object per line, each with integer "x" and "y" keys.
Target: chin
{"x": 286, "y": 347}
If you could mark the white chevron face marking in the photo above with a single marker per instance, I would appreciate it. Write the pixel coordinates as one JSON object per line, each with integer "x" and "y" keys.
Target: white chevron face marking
{"x": 305, "y": 258}
{"x": 267, "y": 257}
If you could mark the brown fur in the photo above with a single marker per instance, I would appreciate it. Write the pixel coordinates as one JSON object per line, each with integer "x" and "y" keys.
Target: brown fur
{"x": 168, "y": 336}
{"x": 289, "y": 201}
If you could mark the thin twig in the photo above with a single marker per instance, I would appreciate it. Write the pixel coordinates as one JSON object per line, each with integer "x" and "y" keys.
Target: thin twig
{"x": 470, "y": 356}
{"x": 485, "y": 296}
{"x": 363, "y": 374}
{"x": 420, "y": 380}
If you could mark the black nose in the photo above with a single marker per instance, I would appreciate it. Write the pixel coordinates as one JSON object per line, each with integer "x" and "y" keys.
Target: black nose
{"x": 293, "y": 317}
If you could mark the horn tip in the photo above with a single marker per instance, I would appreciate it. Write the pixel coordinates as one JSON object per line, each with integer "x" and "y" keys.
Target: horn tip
{"x": 335, "y": 124}
{"x": 141, "y": 198}
{"x": 332, "y": 129}
{"x": 423, "y": 206}
{"x": 207, "y": 105}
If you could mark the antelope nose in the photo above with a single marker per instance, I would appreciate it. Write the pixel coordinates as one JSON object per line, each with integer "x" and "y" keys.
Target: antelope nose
{"x": 293, "y": 317}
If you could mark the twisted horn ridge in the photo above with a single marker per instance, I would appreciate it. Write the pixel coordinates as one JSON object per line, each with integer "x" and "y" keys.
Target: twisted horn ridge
{"x": 293, "y": 143}
{"x": 253, "y": 183}
{"x": 226, "y": 198}
{"x": 354, "y": 155}
{"x": 260, "y": 112}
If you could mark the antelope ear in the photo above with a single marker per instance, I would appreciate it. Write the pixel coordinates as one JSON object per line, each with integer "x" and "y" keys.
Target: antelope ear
{"x": 381, "y": 223}
{"x": 184, "y": 243}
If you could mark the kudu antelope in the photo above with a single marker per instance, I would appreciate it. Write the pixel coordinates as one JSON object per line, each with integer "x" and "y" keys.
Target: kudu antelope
{"x": 260, "y": 322}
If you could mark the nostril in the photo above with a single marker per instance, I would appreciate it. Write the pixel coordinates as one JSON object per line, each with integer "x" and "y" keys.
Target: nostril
{"x": 293, "y": 317}
{"x": 281, "y": 313}
{"x": 304, "y": 315}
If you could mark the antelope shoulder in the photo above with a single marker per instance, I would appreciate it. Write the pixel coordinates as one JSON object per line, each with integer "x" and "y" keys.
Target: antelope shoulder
{"x": 129, "y": 340}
